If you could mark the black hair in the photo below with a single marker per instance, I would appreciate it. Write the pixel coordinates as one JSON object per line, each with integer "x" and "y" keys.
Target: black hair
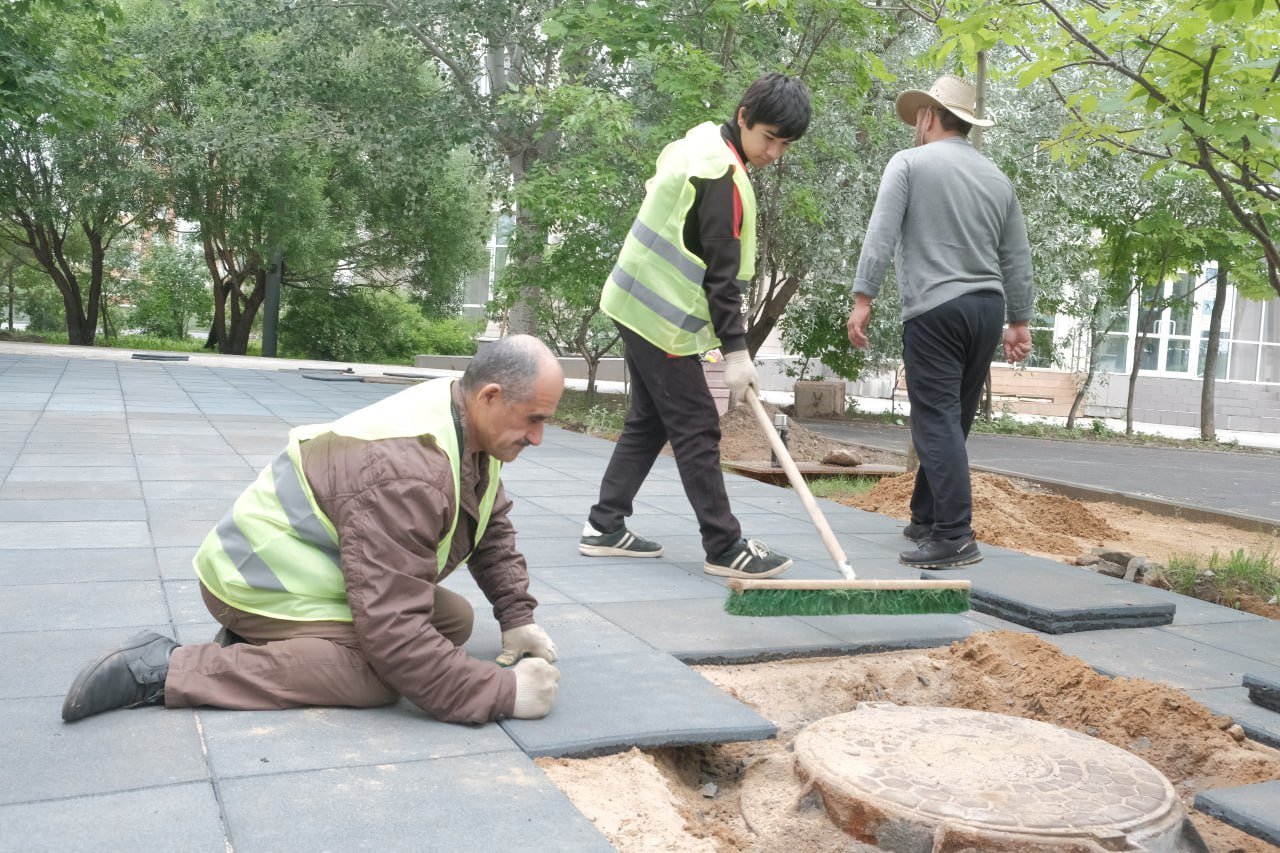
{"x": 952, "y": 122}
{"x": 778, "y": 100}
{"x": 512, "y": 362}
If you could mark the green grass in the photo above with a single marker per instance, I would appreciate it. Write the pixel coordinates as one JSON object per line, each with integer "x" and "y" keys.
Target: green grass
{"x": 146, "y": 342}
{"x": 1223, "y": 577}
{"x": 834, "y": 487}
{"x": 603, "y": 416}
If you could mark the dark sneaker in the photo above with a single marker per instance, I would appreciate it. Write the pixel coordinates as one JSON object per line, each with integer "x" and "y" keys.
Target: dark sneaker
{"x": 943, "y": 554}
{"x": 917, "y": 533}
{"x": 750, "y": 558}
{"x": 620, "y": 543}
{"x": 127, "y": 676}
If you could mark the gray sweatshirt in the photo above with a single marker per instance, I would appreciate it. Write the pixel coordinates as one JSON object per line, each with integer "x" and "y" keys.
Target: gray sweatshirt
{"x": 956, "y": 226}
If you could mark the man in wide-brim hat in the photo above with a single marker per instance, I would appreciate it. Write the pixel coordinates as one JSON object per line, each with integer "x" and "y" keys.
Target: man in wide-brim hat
{"x": 950, "y": 223}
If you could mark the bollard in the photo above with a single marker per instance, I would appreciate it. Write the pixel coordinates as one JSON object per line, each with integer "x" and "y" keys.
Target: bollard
{"x": 780, "y": 424}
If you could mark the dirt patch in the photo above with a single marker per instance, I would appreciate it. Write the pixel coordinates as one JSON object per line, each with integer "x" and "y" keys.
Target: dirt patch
{"x": 742, "y": 440}
{"x": 745, "y": 796}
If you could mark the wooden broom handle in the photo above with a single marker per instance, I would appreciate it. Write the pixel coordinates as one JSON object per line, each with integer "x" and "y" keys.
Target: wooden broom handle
{"x": 798, "y": 483}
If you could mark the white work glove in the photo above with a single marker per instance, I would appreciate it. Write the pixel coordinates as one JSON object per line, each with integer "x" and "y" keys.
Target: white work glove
{"x": 739, "y": 375}
{"x": 535, "y": 688}
{"x": 526, "y": 640}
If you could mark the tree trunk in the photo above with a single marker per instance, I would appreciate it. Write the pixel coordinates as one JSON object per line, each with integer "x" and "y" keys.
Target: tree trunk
{"x": 10, "y": 298}
{"x": 1133, "y": 373}
{"x": 1092, "y": 364}
{"x": 1208, "y": 430}
{"x": 986, "y": 398}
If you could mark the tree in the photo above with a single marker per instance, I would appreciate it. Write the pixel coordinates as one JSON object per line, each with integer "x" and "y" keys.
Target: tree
{"x": 43, "y": 73}
{"x": 308, "y": 131}
{"x": 169, "y": 291}
{"x": 1187, "y": 85}
{"x": 64, "y": 198}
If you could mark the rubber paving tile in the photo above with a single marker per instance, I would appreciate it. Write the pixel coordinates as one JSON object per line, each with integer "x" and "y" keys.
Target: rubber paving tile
{"x": 1259, "y": 723}
{"x": 610, "y": 703}
{"x": 1263, "y": 691}
{"x": 497, "y": 801}
{"x": 1159, "y": 654}
{"x": 256, "y": 743}
{"x": 1058, "y": 599}
{"x": 1250, "y": 808}
{"x": 145, "y": 748}
{"x": 116, "y": 821}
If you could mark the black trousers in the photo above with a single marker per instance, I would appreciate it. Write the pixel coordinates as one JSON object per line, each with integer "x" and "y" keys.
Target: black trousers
{"x": 947, "y": 352}
{"x": 670, "y": 401}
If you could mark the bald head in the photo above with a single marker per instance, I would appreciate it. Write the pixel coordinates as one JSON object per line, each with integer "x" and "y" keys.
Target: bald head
{"x": 514, "y": 363}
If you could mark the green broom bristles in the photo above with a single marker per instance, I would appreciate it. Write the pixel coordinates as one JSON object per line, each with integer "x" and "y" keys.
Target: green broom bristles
{"x": 838, "y": 602}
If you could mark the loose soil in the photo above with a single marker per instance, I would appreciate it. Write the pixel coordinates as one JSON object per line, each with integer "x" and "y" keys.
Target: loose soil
{"x": 745, "y": 796}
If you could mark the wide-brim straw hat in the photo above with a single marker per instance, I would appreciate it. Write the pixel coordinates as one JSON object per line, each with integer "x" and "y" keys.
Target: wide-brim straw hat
{"x": 953, "y": 94}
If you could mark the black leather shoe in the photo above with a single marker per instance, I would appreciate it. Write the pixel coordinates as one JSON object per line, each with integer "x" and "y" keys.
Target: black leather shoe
{"x": 127, "y": 676}
{"x": 943, "y": 554}
{"x": 917, "y": 533}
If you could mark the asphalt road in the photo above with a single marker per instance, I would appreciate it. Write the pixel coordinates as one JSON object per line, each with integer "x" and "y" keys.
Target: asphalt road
{"x": 1243, "y": 483}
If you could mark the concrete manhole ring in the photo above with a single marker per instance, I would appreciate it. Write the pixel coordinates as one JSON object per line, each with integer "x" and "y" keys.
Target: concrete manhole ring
{"x": 912, "y": 778}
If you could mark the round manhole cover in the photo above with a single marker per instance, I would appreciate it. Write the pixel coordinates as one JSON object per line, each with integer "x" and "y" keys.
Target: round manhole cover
{"x": 906, "y": 778}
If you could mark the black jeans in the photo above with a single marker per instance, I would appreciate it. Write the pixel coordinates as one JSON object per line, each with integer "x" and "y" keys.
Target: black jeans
{"x": 669, "y": 401}
{"x": 947, "y": 352}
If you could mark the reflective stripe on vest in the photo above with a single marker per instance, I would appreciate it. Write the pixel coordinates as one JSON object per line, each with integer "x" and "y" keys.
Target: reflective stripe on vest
{"x": 276, "y": 553}
{"x": 655, "y": 288}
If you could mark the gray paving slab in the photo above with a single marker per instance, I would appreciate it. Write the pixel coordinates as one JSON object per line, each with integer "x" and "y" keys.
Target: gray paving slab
{"x": 610, "y": 703}
{"x": 598, "y": 580}
{"x": 68, "y": 606}
{"x": 695, "y": 631}
{"x": 75, "y": 534}
{"x": 105, "y": 821}
{"x": 45, "y": 663}
{"x": 1264, "y": 692}
{"x": 1250, "y": 808}
{"x": 1058, "y": 599}
{"x": 259, "y": 743}
{"x": 57, "y": 474}
{"x": 499, "y": 801}
{"x": 1159, "y": 654}
{"x": 72, "y": 489}
{"x": 143, "y": 748}
{"x": 72, "y": 510}
{"x": 1259, "y": 723}
{"x": 1257, "y": 638}
{"x": 75, "y": 565}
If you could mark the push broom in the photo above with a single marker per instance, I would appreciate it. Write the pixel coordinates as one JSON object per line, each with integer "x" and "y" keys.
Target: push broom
{"x": 774, "y": 597}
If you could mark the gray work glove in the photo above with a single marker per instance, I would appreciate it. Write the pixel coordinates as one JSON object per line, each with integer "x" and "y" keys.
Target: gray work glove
{"x": 739, "y": 375}
{"x": 535, "y": 688}
{"x": 527, "y": 640}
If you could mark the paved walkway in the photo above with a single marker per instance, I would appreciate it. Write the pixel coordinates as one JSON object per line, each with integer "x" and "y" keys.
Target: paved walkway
{"x": 1212, "y": 480}
{"x": 112, "y": 471}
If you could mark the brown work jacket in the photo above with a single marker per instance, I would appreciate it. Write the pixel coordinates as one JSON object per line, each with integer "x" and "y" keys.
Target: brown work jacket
{"x": 392, "y": 502}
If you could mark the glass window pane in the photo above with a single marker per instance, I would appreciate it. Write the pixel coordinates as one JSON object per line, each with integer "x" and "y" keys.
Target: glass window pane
{"x": 1180, "y": 310}
{"x": 1148, "y": 316}
{"x": 1221, "y": 370}
{"x": 1177, "y": 356}
{"x": 1041, "y": 348}
{"x": 1244, "y": 362}
{"x": 1150, "y": 359}
{"x": 1271, "y": 323}
{"x": 1112, "y": 354}
{"x": 1247, "y": 321}
{"x": 1269, "y": 364}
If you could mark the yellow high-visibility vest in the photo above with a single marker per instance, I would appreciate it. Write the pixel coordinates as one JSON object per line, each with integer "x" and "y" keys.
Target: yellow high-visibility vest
{"x": 276, "y": 553}
{"x": 655, "y": 289}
